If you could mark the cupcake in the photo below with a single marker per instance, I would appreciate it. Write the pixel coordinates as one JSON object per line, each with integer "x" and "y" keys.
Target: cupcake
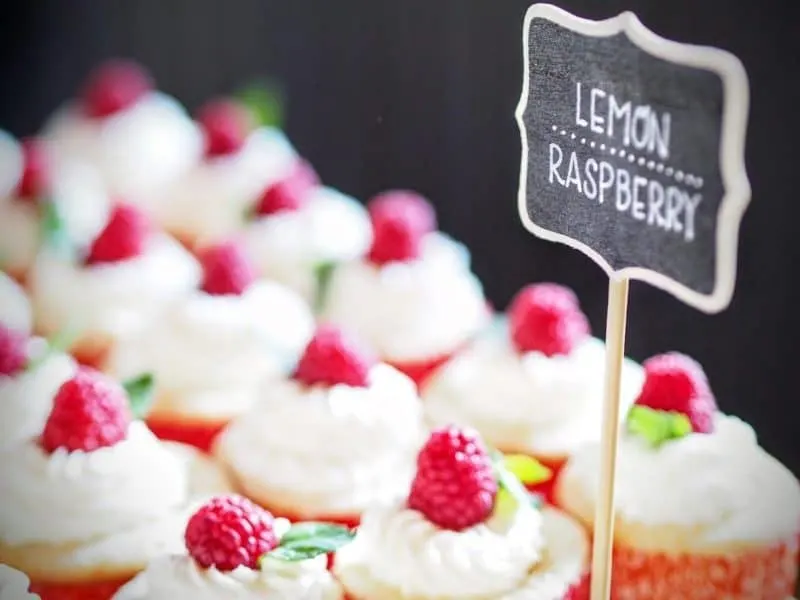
{"x": 467, "y": 529}
{"x": 702, "y": 511}
{"x": 299, "y": 230}
{"x": 210, "y": 202}
{"x": 533, "y": 384}
{"x": 138, "y": 139}
{"x": 338, "y": 435}
{"x": 211, "y": 351}
{"x": 104, "y": 292}
{"x": 413, "y": 297}
{"x": 91, "y": 501}
{"x": 38, "y": 189}
{"x": 14, "y": 585}
{"x": 15, "y": 307}
{"x": 235, "y": 549}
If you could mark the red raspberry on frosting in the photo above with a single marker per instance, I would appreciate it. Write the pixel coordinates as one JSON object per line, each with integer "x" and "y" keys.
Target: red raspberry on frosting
{"x": 547, "y": 318}
{"x": 36, "y": 172}
{"x": 676, "y": 383}
{"x": 225, "y": 124}
{"x": 400, "y": 221}
{"x": 455, "y": 486}
{"x": 332, "y": 358}
{"x": 124, "y": 236}
{"x": 288, "y": 194}
{"x": 229, "y": 532}
{"x": 13, "y": 351}
{"x": 115, "y": 86}
{"x": 226, "y": 269}
{"x": 90, "y": 411}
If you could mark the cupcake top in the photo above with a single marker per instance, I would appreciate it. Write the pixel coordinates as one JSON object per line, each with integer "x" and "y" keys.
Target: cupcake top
{"x": 210, "y": 201}
{"x": 467, "y": 529}
{"x": 210, "y": 351}
{"x": 343, "y": 432}
{"x": 237, "y": 549}
{"x": 15, "y": 307}
{"x": 120, "y": 491}
{"x": 413, "y": 297}
{"x": 543, "y": 372}
{"x": 128, "y": 272}
{"x": 683, "y": 464}
{"x": 139, "y": 139}
{"x": 14, "y": 585}
{"x": 299, "y": 226}
{"x": 31, "y": 371}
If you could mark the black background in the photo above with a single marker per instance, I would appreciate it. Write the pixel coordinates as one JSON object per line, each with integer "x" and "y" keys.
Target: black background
{"x": 421, "y": 94}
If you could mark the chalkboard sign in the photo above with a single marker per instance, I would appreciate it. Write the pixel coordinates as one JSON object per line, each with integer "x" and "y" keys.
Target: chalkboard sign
{"x": 633, "y": 151}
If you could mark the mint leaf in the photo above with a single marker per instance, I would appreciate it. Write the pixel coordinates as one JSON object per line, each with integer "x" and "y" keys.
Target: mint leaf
{"x": 323, "y": 274}
{"x": 657, "y": 426}
{"x": 528, "y": 470}
{"x": 265, "y": 101}
{"x": 54, "y": 229}
{"x": 59, "y": 343}
{"x": 140, "y": 391}
{"x": 309, "y": 540}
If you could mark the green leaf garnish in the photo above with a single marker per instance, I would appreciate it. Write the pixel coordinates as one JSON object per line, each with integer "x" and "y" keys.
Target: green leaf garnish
{"x": 527, "y": 469}
{"x": 57, "y": 344}
{"x": 511, "y": 493}
{"x": 54, "y": 229}
{"x": 323, "y": 273}
{"x": 309, "y": 540}
{"x": 657, "y": 426}
{"x": 141, "y": 394}
{"x": 265, "y": 100}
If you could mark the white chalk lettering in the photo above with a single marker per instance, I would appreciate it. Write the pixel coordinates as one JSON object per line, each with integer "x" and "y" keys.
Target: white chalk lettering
{"x": 638, "y": 205}
{"x": 573, "y": 172}
{"x": 655, "y": 205}
{"x": 606, "y": 179}
{"x": 595, "y": 120}
{"x": 623, "y": 190}
{"x": 690, "y": 208}
{"x": 619, "y": 113}
{"x": 579, "y": 121}
{"x": 554, "y": 163}
{"x": 590, "y": 185}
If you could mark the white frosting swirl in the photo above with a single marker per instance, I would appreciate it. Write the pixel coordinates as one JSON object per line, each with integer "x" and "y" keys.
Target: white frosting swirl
{"x": 531, "y": 402}
{"x": 15, "y": 307}
{"x": 412, "y": 310}
{"x": 69, "y": 497}
{"x": 407, "y": 552}
{"x": 136, "y": 151}
{"x": 27, "y": 397}
{"x": 210, "y": 353}
{"x": 112, "y": 299}
{"x": 14, "y": 585}
{"x": 329, "y": 451}
{"x": 210, "y": 201}
{"x": 722, "y": 485}
{"x": 287, "y": 246}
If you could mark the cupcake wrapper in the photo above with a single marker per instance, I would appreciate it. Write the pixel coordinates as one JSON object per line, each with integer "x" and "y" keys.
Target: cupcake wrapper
{"x": 199, "y": 435}
{"x": 765, "y": 574}
{"x": 98, "y": 590}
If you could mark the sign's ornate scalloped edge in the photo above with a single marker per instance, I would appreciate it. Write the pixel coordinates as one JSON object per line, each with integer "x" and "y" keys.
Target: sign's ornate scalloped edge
{"x": 732, "y": 165}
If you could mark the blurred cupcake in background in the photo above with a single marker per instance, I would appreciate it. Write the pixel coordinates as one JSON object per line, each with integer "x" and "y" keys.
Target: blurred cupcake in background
{"x": 533, "y": 384}
{"x": 299, "y": 230}
{"x": 211, "y": 201}
{"x": 337, "y": 436}
{"x": 15, "y": 307}
{"x": 111, "y": 287}
{"x": 211, "y": 350}
{"x": 89, "y": 502}
{"x": 137, "y": 138}
{"x": 702, "y": 511}
{"x": 235, "y": 549}
{"x": 413, "y": 297}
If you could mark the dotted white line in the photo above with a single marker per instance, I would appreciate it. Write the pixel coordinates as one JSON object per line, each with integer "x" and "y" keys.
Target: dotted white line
{"x": 679, "y": 175}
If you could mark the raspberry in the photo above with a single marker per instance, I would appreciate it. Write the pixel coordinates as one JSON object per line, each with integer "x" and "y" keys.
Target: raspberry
{"x": 229, "y": 532}
{"x": 35, "y": 175}
{"x": 90, "y": 411}
{"x": 225, "y": 125}
{"x": 13, "y": 351}
{"x": 226, "y": 269}
{"x": 124, "y": 236}
{"x": 114, "y": 87}
{"x": 546, "y": 318}
{"x": 289, "y": 193}
{"x": 332, "y": 358}
{"x": 455, "y": 486}
{"x": 400, "y": 220}
{"x": 676, "y": 383}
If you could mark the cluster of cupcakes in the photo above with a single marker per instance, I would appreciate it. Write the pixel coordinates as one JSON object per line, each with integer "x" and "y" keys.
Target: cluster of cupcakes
{"x": 221, "y": 378}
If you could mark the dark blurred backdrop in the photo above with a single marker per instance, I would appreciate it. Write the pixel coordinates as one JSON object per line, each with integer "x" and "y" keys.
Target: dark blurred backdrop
{"x": 421, "y": 94}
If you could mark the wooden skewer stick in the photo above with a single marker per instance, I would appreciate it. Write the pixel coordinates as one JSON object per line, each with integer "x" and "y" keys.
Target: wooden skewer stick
{"x": 603, "y": 544}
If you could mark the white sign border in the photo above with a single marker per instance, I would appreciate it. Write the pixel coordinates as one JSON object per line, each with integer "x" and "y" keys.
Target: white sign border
{"x": 736, "y": 99}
